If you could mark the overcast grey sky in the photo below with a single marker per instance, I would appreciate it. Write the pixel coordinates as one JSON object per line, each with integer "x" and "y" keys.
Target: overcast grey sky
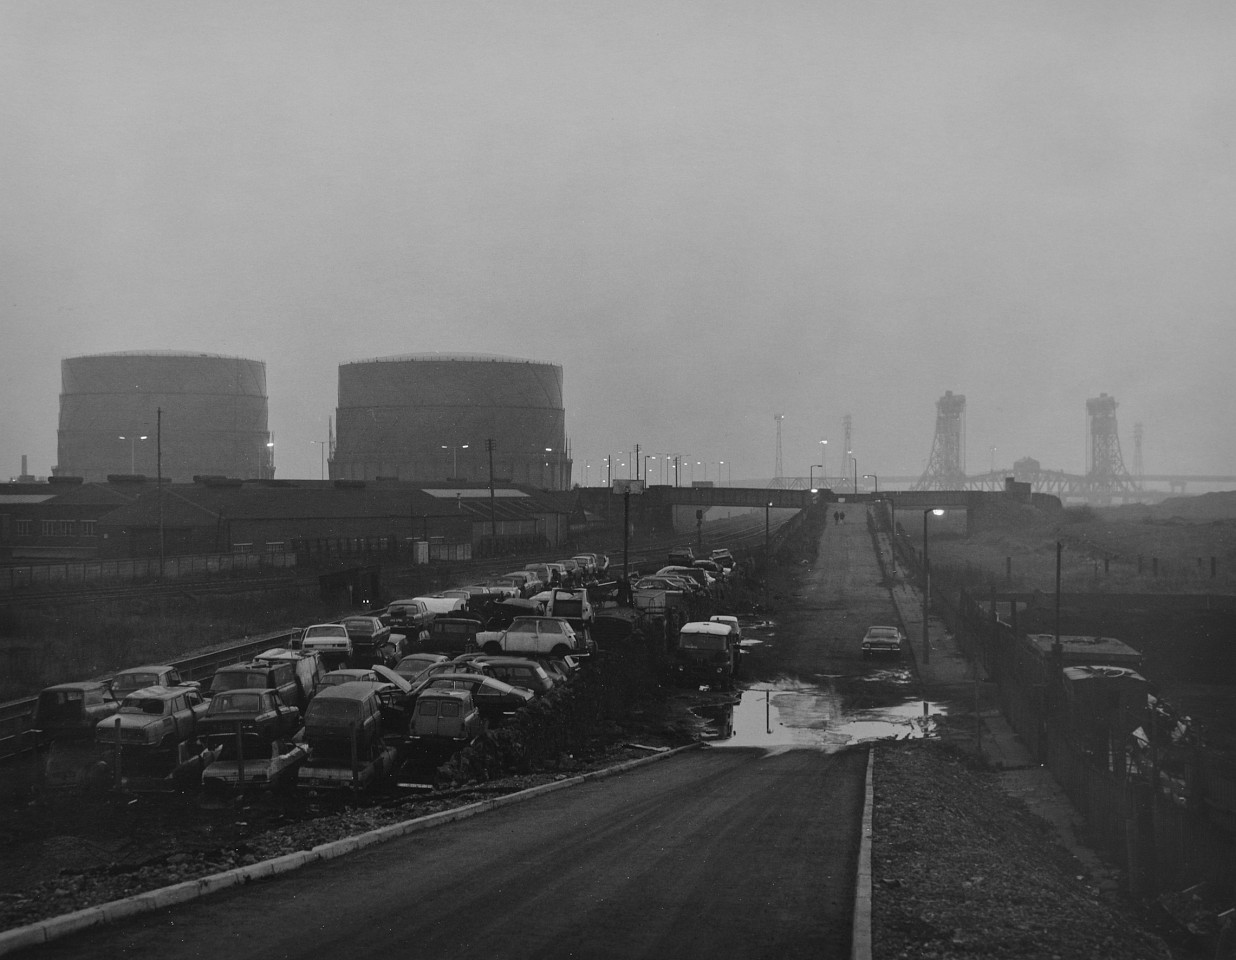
{"x": 708, "y": 212}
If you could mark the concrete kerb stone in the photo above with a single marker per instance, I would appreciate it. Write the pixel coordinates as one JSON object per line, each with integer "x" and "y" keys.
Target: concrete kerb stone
{"x": 54, "y": 928}
{"x": 860, "y": 933}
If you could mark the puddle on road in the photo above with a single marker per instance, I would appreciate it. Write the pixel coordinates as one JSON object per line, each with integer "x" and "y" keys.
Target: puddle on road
{"x": 815, "y": 718}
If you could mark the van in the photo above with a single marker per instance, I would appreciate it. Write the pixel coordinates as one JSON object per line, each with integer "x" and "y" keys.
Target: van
{"x": 707, "y": 652}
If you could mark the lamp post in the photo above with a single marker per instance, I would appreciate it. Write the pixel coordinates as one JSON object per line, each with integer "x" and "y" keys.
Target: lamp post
{"x": 927, "y": 583}
{"x": 133, "y": 451}
{"x": 647, "y": 457}
{"x": 872, "y": 476}
{"x": 823, "y": 460}
{"x": 270, "y": 459}
{"x": 322, "y": 444}
{"x": 454, "y": 448}
{"x": 854, "y": 459}
{"x": 811, "y": 475}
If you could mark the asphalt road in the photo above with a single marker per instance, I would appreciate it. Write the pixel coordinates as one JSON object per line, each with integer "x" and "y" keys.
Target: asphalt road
{"x": 721, "y": 852}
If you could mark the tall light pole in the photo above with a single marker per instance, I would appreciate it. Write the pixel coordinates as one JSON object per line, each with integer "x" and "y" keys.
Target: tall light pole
{"x": 927, "y": 583}
{"x": 270, "y": 459}
{"x": 454, "y": 448}
{"x": 133, "y": 451}
{"x": 855, "y": 460}
{"x": 647, "y": 457}
{"x": 823, "y": 460}
{"x": 872, "y": 476}
{"x": 811, "y": 475}
{"x": 322, "y": 444}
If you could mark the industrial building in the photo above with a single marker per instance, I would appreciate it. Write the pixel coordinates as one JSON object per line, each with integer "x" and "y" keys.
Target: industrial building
{"x": 436, "y": 417}
{"x": 180, "y": 415}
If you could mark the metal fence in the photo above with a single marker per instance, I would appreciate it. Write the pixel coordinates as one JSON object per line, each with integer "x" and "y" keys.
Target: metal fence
{"x": 1156, "y": 796}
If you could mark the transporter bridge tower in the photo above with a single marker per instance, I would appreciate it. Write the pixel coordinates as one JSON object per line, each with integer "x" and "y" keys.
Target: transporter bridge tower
{"x": 1106, "y": 476}
{"x": 946, "y": 469}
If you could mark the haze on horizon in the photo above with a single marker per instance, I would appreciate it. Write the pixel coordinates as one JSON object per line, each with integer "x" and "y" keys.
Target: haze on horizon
{"x": 708, "y": 212}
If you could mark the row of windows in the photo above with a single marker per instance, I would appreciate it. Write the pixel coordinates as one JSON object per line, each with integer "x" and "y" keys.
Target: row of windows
{"x": 55, "y": 528}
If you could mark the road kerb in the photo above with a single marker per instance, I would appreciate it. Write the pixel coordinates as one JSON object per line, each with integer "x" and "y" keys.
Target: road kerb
{"x": 54, "y": 928}
{"x": 860, "y": 936}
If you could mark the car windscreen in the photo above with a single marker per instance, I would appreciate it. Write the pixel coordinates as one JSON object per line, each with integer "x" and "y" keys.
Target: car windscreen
{"x": 329, "y": 711}
{"x": 701, "y": 641}
{"x": 133, "y": 681}
{"x": 327, "y": 630}
{"x": 146, "y": 705}
{"x": 238, "y": 701}
{"x": 238, "y": 680}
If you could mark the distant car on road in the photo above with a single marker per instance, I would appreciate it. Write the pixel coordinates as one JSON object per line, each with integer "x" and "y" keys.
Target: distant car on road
{"x": 881, "y": 640}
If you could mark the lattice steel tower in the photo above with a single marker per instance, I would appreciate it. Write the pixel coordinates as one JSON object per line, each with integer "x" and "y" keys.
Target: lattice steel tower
{"x": 1105, "y": 472}
{"x": 946, "y": 470}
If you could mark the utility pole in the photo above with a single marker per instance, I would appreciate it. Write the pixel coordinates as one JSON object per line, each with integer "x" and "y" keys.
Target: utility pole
{"x": 159, "y": 479}
{"x": 493, "y": 507}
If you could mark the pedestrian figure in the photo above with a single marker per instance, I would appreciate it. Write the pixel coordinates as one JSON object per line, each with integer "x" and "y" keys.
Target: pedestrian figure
{"x": 843, "y": 516}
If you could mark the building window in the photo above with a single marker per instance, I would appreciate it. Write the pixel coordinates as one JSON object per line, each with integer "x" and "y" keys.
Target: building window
{"x": 242, "y": 547}
{"x": 65, "y": 528}
{"x": 49, "y": 528}
{"x": 24, "y": 528}
{"x": 88, "y": 529}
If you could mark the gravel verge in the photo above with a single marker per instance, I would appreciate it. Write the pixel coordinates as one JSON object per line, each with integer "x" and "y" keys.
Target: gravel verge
{"x": 962, "y": 870}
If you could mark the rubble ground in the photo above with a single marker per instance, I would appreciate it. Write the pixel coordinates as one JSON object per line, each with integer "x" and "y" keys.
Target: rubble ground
{"x": 961, "y": 869}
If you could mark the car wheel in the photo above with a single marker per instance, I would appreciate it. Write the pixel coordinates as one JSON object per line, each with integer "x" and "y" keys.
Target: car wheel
{"x": 561, "y": 650}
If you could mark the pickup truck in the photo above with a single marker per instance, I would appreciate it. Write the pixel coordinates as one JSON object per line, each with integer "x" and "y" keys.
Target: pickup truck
{"x": 536, "y": 636}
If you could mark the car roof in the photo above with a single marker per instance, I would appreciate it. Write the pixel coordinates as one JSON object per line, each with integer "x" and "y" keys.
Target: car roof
{"x": 145, "y": 669}
{"x": 156, "y": 692}
{"x": 478, "y": 678}
{"x": 352, "y": 690}
{"x": 452, "y": 692}
{"x": 707, "y": 626}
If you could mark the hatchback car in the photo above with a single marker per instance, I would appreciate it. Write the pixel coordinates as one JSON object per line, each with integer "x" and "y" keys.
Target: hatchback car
{"x": 881, "y": 640}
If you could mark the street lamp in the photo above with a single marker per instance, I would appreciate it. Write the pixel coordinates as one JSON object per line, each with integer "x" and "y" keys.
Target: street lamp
{"x": 811, "y": 475}
{"x": 270, "y": 459}
{"x": 855, "y": 460}
{"x": 133, "y": 451}
{"x": 872, "y": 476}
{"x": 454, "y": 448}
{"x": 823, "y": 459}
{"x": 647, "y": 457}
{"x": 322, "y": 444}
{"x": 927, "y": 583}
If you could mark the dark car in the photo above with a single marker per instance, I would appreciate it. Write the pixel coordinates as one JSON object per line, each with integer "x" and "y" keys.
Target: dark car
{"x": 261, "y": 712}
{"x": 412, "y": 666}
{"x": 495, "y": 699}
{"x": 521, "y": 672}
{"x": 72, "y": 710}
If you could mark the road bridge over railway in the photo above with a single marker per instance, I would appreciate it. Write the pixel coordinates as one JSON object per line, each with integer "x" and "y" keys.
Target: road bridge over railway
{"x": 753, "y": 497}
